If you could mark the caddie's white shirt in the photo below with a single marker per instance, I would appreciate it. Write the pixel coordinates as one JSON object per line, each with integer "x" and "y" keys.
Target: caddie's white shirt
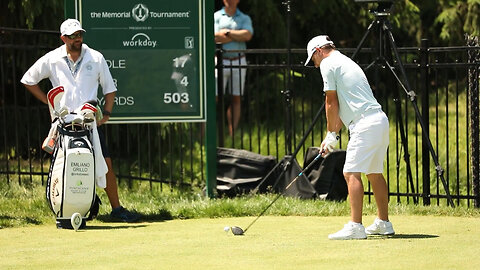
{"x": 343, "y": 75}
{"x": 82, "y": 87}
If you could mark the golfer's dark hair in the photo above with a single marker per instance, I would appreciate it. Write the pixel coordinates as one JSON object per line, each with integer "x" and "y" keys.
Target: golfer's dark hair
{"x": 329, "y": 47}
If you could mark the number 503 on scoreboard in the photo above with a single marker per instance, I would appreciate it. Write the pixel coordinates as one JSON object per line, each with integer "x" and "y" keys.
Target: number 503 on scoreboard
{"x": 175, "y": 98}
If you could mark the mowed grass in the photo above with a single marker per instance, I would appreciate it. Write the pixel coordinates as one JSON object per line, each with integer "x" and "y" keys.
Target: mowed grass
{"x": 273, "y": 242}
{"x": 185, "y": 231}
{"x": 23, "y": 205}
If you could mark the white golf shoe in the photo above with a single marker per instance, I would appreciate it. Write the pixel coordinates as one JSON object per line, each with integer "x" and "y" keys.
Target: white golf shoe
{"x": 351, "y": 230}
{"x": 380, "y": 227}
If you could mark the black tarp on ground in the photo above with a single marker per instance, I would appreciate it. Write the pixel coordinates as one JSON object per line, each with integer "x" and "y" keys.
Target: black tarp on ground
{"x": 239, "y": 171}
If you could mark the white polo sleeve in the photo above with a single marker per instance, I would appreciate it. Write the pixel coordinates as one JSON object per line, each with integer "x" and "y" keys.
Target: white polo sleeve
{"x": 38, "y": 71}
{"x": 328, "y": 75}
{"x": 106, "y": 80}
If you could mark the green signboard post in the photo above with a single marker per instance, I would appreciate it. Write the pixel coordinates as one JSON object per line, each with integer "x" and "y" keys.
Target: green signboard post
{"x": 155, "y": 50}
{"x": 160, "y": 54}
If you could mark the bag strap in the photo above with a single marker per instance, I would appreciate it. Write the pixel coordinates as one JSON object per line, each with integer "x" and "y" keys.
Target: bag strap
{"x": 73, "y": 133}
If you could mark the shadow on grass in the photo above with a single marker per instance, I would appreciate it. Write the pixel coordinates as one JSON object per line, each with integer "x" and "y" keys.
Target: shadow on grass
{"x": 160, "y": 216}
{"x": 5, "y": 220}
{"x": 403, "y": 236}
{"x": 105, "y": 227}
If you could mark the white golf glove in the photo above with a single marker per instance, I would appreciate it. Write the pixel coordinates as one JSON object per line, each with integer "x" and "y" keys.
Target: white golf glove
{"x": 330, "y": 141}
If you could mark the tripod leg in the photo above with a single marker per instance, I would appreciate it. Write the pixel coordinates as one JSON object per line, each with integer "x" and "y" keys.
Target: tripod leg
{"x": 369, "y": 29}
{"x": 403, "y": 138}
{"x": 294, "y": 154}
{"x": 310, "y": 128}
{"x": 399, "y": 120}
{"x": 299, "y": 146}
{"x": 412, "y": 97}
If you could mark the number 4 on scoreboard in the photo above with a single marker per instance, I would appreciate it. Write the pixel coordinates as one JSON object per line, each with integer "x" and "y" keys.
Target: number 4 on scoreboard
{"x": 184, "y": 81}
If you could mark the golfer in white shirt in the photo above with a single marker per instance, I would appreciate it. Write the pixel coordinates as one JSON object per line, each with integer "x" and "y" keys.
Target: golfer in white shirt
{"x": 349, "y": 101}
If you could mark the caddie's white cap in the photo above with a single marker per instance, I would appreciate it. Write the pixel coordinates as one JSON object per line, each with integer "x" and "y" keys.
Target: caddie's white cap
{"x": 316, "y": 42}
{"x": 70, "y": 26}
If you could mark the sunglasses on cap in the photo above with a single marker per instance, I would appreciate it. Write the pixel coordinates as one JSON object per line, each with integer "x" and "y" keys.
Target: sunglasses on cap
{"x": 74, "y": 36}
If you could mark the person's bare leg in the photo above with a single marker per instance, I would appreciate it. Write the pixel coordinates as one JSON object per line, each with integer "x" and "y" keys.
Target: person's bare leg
{"x": 233, "y": 114}
{"x": 112, "y": 188}
{"x": 380, "y": 191}
{"x": 355, "y": 193}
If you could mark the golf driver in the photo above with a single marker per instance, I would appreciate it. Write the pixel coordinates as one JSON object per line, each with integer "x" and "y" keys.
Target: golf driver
{"x": 239, "y": 231}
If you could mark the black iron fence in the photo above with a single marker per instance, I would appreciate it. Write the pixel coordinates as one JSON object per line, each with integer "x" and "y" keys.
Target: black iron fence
{"x": 280, "y": 102}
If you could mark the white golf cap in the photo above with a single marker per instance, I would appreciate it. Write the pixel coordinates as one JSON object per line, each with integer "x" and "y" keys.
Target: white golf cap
{"x": 316, "y": 42}
{"x": 70, "y": 26}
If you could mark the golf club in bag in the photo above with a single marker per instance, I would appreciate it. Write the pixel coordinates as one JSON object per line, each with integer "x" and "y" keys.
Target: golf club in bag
{"x": 239, "y": 231}
{"x": 70, "y": 189}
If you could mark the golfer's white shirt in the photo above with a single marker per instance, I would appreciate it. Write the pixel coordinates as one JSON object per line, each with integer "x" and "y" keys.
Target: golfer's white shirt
{"x": 343, "y": 75}
{"x": 79, "y": 88}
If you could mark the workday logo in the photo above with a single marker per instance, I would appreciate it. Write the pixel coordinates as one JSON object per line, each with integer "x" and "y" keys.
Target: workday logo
{"x": 140, "y": 40}
{"x": 140, "y": 12}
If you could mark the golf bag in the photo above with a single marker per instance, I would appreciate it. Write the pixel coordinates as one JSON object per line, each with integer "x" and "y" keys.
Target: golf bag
{"x": 71, "y": 179}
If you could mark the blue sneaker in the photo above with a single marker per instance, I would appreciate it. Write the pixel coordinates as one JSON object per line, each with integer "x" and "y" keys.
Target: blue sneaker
{"x": 123, "y": 214}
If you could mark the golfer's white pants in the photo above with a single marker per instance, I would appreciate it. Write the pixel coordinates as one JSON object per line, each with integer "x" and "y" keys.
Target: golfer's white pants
{"x": 368, "y": 143}
{"x": 234, "y": 77}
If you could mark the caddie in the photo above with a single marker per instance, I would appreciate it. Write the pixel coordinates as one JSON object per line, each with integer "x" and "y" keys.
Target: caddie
{"x": 80, "y": 69}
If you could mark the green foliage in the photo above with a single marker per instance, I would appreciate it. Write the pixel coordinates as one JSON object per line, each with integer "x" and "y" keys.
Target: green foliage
{"x": 344, "y": 20}
{"x": 268, "y": 23}
{"x": 459, "y": 18}
{"x": 32, "y": 14}
{"x": 314, "y": 17}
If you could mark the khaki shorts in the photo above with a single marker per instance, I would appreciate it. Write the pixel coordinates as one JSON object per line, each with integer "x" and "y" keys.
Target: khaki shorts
{"x": 234, "y": 77}
{"x": 368, "y": 143}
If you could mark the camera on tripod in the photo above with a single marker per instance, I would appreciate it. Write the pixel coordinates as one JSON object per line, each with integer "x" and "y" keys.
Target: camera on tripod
{"x": 384, "y": 6}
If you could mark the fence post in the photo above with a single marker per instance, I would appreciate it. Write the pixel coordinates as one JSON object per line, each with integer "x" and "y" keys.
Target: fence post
{"x": 424, "y": 79}
{"x": 211, "y": 114}
{"x": 473, "y": 74}
{"x": 220, "y": 98}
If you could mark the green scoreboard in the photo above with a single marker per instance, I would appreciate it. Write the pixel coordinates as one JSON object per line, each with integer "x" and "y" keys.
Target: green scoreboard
{"x": 155, "y": 50}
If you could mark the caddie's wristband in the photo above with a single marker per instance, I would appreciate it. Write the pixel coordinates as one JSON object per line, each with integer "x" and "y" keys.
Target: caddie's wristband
{"x": 107, "y": 113}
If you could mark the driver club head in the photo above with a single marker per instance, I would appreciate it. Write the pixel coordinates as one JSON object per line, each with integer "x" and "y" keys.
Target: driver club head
{"x": 237, "y": 230}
